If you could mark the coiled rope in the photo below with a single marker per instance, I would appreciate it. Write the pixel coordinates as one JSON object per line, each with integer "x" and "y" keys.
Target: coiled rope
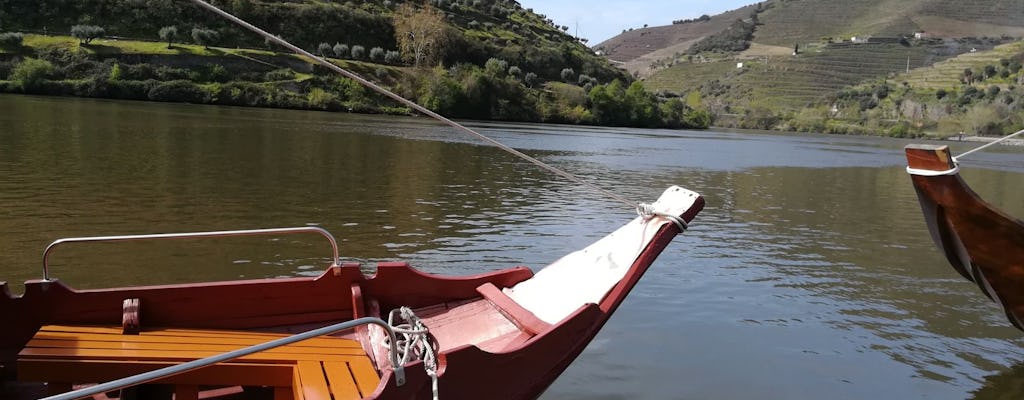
{"x": 413, "y": 342}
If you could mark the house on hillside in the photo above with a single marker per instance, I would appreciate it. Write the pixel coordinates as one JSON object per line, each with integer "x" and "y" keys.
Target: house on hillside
{"x": 921, "y": 35}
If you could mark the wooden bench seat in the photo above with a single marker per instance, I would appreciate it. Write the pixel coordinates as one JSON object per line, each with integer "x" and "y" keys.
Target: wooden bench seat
{"x": 314, "y": 369}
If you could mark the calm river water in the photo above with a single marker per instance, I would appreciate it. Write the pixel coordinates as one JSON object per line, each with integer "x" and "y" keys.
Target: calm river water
{"x": 810, "y": 274}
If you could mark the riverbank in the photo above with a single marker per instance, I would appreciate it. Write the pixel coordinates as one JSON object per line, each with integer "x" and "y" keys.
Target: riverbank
{"x": 986, "y": 139}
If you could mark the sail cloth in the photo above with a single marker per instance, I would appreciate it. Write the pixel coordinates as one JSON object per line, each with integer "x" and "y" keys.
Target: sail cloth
{"x": 586, "y": 276}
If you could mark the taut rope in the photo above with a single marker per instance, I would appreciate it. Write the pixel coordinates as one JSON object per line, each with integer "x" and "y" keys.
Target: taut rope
{"x": 957, "y": 158}
{"x": 411, "y": 104}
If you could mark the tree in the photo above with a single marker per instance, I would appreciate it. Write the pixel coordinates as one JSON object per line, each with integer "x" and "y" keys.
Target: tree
{"x": 324, "y": 48}
{"x": 377, "y": 54}
{"x": 392, "y": 57}
{"x": 168, "y": 34}
{"x": 86, "y": 33}
{"x": 204, "y": 36}
{"x": 358, "y": 52}
{"x": 341, "y": 50}
{"x": 422, "y": 34}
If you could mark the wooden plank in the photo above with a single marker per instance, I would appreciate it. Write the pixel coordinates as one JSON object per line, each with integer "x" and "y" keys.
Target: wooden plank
{"x": 129, "y": 344}
{"x": 163, "y": 355}
{"x": 313, "y": 382}
{"x": 192, "y": 335}
{"x": 247, "y": 374}
{"x": 341, "y": 382}
{"x": 364, "y": 373}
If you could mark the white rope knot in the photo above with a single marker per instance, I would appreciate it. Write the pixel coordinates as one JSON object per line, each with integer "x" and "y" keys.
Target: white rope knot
{"x": 413, "y": 342}
{"x": 647, "y": 212}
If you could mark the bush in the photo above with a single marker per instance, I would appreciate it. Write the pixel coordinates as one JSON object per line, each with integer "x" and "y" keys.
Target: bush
{"x": 31, "y": 73}
{"x": 341, "y": 50}
{"x": 530, "y": 79}
{"x": 179, "y": 91}
{"x": 358, "y": 52}
{"x": 86, "y": 33}
{"x": 567, "y": 74}
{"x": 392, "y": 57}
{"x": 283, "y": 74}
{"x": 11, "y": 40}
{"x": 377, "y": 54}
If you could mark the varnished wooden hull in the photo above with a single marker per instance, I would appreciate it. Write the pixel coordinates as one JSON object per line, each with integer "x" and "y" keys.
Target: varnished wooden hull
{"x": 520, "y": 370}
{"x": 983, "y": 243}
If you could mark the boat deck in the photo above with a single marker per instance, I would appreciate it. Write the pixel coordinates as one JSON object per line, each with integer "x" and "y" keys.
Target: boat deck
{"x": 320, "y": 368}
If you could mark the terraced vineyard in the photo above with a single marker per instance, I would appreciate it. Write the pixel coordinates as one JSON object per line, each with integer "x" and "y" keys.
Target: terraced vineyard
{"x": 945, "y": 74}
{"x": 797, "y": 81}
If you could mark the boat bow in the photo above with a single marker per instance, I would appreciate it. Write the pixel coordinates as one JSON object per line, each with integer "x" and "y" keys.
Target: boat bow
{"x": 983, "y": 243}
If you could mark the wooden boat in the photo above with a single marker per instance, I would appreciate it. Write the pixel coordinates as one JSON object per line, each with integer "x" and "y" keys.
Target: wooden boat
{"x": 501, "y": 335}
{"x": 983, "y": 243}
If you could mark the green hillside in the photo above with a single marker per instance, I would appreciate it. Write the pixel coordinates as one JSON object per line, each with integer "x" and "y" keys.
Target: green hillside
{"x": 824, "y": 59}
{"x": 483, "y": 28}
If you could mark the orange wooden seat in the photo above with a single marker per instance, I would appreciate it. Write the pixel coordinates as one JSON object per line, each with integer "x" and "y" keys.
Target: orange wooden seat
{"x": 314, "y": 369}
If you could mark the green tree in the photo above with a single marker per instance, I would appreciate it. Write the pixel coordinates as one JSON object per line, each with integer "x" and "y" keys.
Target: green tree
{"x": 204, "y": 36}
{"x": 86, "y": 33}
{"x": 168, "y": 34}
{"x": 421, "y": 33}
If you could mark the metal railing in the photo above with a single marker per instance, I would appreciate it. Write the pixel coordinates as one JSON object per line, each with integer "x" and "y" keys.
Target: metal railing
{"x": 162, "y": 373}
{"x": 251, "y": 232}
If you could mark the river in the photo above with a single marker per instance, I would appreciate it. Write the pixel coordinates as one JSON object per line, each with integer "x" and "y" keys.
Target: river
{"x": 809, "y": 275}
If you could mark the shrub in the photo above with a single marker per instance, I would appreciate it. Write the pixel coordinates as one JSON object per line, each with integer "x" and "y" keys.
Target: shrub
{"x": 11, "y": 39}
{"x": 940, "y": 94}
{"x": 321, "y": 99}
{"x": 283, "y": 74}
{"x": 86, "y": 33}
{"x": 358, "y": 52}
{"x": 496, "y": 67}
{"x": 179, "y": 91}
{"x": 377, "y": 54}
{"x": 530, "y": 79}
{"x": 31, "y": 73}
{"x": 515, "y": 72}
{"x": 392, "y": 57}
{"x": 567, "y": 74}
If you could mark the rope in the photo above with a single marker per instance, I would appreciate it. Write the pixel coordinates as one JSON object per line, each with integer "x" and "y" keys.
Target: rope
{"x": 412, "y": 104}
{"x": 647, "y": 212}
{"x": 413, "y": 342}
{"x": 955, "y": 159}
{"x": 928, "y": 172}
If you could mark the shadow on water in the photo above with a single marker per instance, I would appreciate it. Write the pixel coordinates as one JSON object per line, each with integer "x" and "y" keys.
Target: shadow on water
{"x": 1006, "y": 385}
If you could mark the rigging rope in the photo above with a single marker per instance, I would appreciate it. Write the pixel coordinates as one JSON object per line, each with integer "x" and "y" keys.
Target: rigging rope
{"x": 411, "y": 104}
{"x": 957, "y": 158}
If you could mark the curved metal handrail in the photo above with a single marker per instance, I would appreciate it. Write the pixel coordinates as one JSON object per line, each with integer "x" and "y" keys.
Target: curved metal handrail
{"x": 251, "y": 232}
{"x": 165, "y": 372}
